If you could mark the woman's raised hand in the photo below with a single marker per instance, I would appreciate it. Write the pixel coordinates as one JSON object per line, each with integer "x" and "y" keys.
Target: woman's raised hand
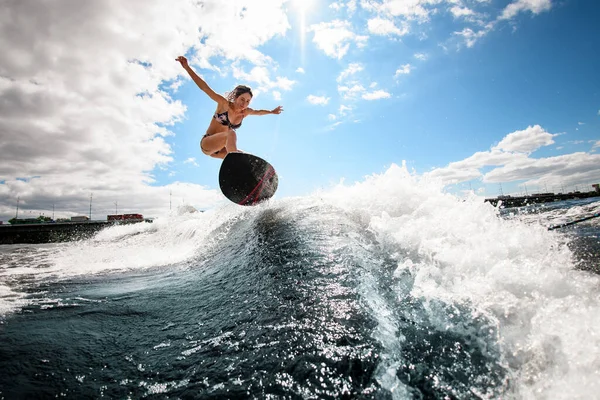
{"x": 277, "y": 110}
{"x": 183, "y": 61}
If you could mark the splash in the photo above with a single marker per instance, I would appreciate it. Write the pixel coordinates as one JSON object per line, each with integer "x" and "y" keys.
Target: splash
{"x": 507, "y": 285}
{"x": 513, "y": 272}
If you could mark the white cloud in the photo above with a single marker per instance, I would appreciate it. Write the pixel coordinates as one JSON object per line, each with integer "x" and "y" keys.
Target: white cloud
{"x": 534, "y": 6}
{"x": 176, "y": 85}
{"x": 241, "y": 27}
{"x": 408, "y": 9}
{"x": 527, "y": 140}
{"x": 469, "y": 168}
{"x": 284, "y": 83}
{"x": 451, "y": 174}
{"x": 260, "y": 75}
{"x": 403, "y": 70}
{"x": 352, "y": 69}
{"x": 421, "y": 56}
{"x": 276, "y": 95}
{"x": 82, "y": 108}
{"x": 385, "y": 27}
{"x": 400, "y": 17}
{"x": 300, "y": 70}
{"x": 332, "y": 117}
{"x": 335, "y": 37}
{"x": 318, "y": 100}
{"x": 351, "y": 91}
{"x": 470, "y": 37}
{"x": 337, "y": 6}
{"x": 191, "y": 160}
{"x": 350, "y": 5}
{"x": 569, "y": 169}
{"x": 335, "y": 125}
{"x": 458, "y": 12}
{"x": 581, "y": 123}
{"x": 512, "y": 162}
{"x": 343, "y": 110}
{"x": 376, "y": 95}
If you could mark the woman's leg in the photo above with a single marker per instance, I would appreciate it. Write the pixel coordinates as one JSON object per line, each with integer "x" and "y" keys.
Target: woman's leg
{"x": 219, "y": 154}
{"x": 216, "y": 143}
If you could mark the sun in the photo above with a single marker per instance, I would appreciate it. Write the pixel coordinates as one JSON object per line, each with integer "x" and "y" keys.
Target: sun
{"x": 303, "y": 6}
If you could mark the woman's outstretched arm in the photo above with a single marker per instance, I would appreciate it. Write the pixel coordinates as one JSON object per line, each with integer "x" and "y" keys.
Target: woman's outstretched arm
{"x": 200, "y": 82}
{"x": 277, "y": 110}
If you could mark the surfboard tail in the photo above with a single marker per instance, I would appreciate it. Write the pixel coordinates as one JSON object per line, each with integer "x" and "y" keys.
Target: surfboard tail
{"x": 246, "y": 179}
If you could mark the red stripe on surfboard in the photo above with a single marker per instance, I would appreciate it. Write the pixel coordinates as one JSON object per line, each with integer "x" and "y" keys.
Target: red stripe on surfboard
{"x": 260, "y": 185}
{"x": 270, "y": 172}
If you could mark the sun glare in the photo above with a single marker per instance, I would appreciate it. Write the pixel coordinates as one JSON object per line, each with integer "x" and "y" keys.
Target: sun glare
{"x": 303, "y": 6}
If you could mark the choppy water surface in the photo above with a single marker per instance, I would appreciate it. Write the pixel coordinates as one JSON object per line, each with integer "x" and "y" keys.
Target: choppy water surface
{"x": 389, "y": 288}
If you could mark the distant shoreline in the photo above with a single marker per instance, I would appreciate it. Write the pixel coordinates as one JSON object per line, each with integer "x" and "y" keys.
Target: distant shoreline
{"x": 520, "y": 201}
{"x": 51, "y": 232}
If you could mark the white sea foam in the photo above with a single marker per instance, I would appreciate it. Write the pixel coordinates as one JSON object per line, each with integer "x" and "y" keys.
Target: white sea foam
{"x": 516, "y": 274}
{"x": 133, "y": 247}
{"x": 166, "y": 241}
{"x": 10, "y": 300}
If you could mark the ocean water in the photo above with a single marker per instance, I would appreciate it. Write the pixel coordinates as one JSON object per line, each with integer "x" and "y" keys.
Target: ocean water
{"x": 386, "y": 289}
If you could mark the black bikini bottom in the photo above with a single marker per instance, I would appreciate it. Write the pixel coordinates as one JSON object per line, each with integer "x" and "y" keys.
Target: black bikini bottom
{"x": 201, "y": 148}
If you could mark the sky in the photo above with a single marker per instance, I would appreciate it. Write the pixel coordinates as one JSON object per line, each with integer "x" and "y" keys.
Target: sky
{"x": 489, "y": 96}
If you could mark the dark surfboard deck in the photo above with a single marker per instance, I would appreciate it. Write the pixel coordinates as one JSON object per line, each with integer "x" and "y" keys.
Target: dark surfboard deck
{"x": 246, "y": 179}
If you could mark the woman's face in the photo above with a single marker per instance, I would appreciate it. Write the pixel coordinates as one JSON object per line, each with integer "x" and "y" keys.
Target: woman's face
{"x": 243, "y": 101}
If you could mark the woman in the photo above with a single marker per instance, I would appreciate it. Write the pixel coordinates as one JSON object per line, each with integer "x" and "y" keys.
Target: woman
{"x": 220, "y": 137}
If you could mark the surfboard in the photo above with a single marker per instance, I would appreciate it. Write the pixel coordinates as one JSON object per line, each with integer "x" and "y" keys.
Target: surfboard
{"x": 246, "y": 179}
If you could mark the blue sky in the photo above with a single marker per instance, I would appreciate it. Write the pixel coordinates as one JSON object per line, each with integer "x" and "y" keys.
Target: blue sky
{"x": 454, "y": 99}
{"x": 485, "y": 95}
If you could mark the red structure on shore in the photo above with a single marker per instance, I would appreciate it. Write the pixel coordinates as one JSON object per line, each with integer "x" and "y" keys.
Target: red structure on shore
{"x": 125, "y": 217}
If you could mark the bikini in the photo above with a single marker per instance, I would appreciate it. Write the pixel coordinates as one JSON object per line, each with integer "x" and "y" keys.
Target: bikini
{"x": 223, "y": 118}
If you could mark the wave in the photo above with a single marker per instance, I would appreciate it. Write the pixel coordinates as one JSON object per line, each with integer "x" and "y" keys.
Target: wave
{"x": 498, "y": 301}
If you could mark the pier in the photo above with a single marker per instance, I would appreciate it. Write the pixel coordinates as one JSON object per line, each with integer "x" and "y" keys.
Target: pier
{"x": 49, "y": 232}
{"x": 520, "y": 201}
{"x": 34, "y": 231}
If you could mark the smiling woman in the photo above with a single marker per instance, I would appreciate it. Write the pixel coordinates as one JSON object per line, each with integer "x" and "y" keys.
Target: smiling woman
{"x": 221, "y": 136}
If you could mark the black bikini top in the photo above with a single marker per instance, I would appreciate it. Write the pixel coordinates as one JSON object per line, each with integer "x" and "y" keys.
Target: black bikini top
{"x": 223, "y": 118}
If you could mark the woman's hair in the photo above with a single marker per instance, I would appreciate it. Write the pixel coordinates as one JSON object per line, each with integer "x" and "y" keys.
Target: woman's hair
{"x": 237, "y": 92}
